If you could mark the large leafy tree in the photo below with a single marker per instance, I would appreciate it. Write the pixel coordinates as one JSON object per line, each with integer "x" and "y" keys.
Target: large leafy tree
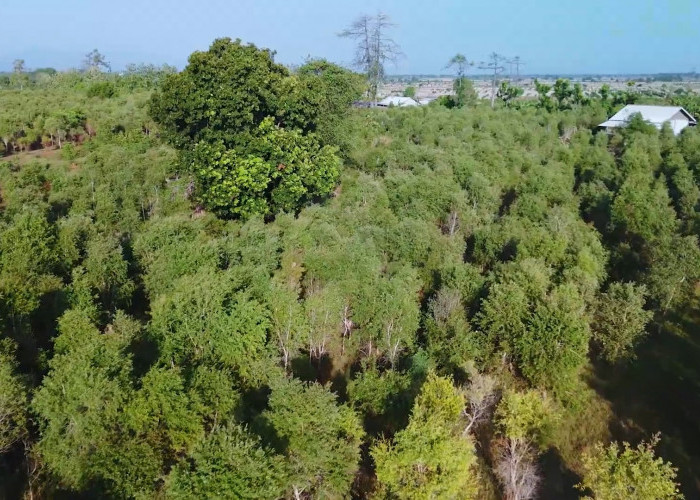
{"x": 320, "y": 438}
{"x": 317, "y": 97}
{"x": 221, "y": 94}
{"x": 229, "y": 463}
{"x": 431, "y": 458}
{"x": 244, "y": 126}
{"x": 279, "y": 170}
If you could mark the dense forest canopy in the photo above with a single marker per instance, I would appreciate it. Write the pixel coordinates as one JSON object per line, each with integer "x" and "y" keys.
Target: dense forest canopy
{"x": 225, "y": 282}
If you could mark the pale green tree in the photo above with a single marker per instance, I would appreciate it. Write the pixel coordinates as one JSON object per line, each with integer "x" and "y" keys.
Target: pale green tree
{"x": 612, "y": 472}
{"x": 431, "y": 457}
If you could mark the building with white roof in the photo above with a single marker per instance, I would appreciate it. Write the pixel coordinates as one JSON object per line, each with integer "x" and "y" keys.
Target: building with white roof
{"x": 677, "y": 117}
{"x": 399, "y": 102}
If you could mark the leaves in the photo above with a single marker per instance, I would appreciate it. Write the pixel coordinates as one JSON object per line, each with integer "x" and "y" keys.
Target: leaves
{"x": 430, "y": 458}
{"x": 616, "y": 472}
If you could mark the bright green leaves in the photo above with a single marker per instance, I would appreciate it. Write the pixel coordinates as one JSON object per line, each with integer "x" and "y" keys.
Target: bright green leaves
{"x": 278, "y": 170}
{"x": 526, "y": 416}
{"x": 430, "y": 458}
{"x": 229, "y": 183}
{"x": 614, "y": 472}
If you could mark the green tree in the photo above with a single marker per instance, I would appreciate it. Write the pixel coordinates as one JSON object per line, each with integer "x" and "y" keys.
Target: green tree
{"x": 563, "y": 93}
{"x": 525, "y": 419}
{"x": 540, "y": 326}
{"x": 673, "y": 271}
{"x": 80, "y": 406}
{"x": 642, "y": 209}
{"x": 13, "y": 399}
{"x": 228, "y": 463}
{"x": 624, "y": 472}
{"x": 27, "y": 262}
{"x": 507, "y": 93}
{"x": 288, "y": 322}
{"x": 431, "y": 457}
{"x": 321, "y": 438}
{"x": 620, "y": 320}
{"x": 222, "y": 95}
{"x": 544, "y": 100}
{"x": 463, "y": 88}
{"x": 280, "y": 171}
{"x": 206, "y": 320}
{"x": 317, "y": 98}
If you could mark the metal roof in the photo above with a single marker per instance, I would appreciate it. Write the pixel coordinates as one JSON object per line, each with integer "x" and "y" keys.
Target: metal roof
{"x": 656, "y": 115}
{"x": 397, "y": 101}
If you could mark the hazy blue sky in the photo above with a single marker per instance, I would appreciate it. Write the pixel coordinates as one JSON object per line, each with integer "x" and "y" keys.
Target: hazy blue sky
{"x": 552, "y": 36}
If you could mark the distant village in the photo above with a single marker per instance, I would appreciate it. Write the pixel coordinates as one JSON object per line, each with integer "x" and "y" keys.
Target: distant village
{"x": 428, "y": 88}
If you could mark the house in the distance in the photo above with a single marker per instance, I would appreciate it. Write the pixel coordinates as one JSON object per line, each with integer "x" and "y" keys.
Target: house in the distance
{"x": 396, "y": 101}
{"x": 677, "y": 117}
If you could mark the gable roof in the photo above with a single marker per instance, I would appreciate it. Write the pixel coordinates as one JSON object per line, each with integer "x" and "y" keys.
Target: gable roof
{"x": 656, "y": 115}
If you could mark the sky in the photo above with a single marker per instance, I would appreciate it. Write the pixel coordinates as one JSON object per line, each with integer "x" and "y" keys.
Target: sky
{"x": 550, "y": 36}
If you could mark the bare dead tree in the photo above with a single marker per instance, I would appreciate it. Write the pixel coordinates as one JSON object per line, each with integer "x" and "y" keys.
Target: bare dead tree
{"x": 482, "y": 396}
{"x": 445, "y": 302}
{"x": 347, "y": 326}
{"x": 495, "y": 64}
{"x": 517, "y": 62}
{"x": 451, "y": 225}
{"x": 374, "y": 48}
{"x": 517, "y": 471}
{"x": 94, "y": 62}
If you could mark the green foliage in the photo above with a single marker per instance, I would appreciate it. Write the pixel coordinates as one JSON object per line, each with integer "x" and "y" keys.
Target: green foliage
{"x": 27, "y": 262}
{"x": 201, "y": 104}
{"x": 507, "y": 93}
{"x": 103, "y": 90}
{"x": 321, "y": 437}
{"x": 233, "y": 142}
{"x": 464, "y": 94}
{"x": 228, "y": 463}
{"x": 206, "y": 319}
{"x": 317, "y": 98}
{"x": 544, "y": 100}
{"x": 526, "y": 416}
{"x": 280, "y": 172}
{"x": 625, "y": 472}
{"x": 386, "y": 393}
{"x": 80, "y": 416}
{"x": 409, "y": 91}
{"x": 544, "y": 330}
{"x": 430, "y": 458}
{"x": 620, "y": 320}
{"x": 159, "y": 350}
{"x": 13, "y": 399}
